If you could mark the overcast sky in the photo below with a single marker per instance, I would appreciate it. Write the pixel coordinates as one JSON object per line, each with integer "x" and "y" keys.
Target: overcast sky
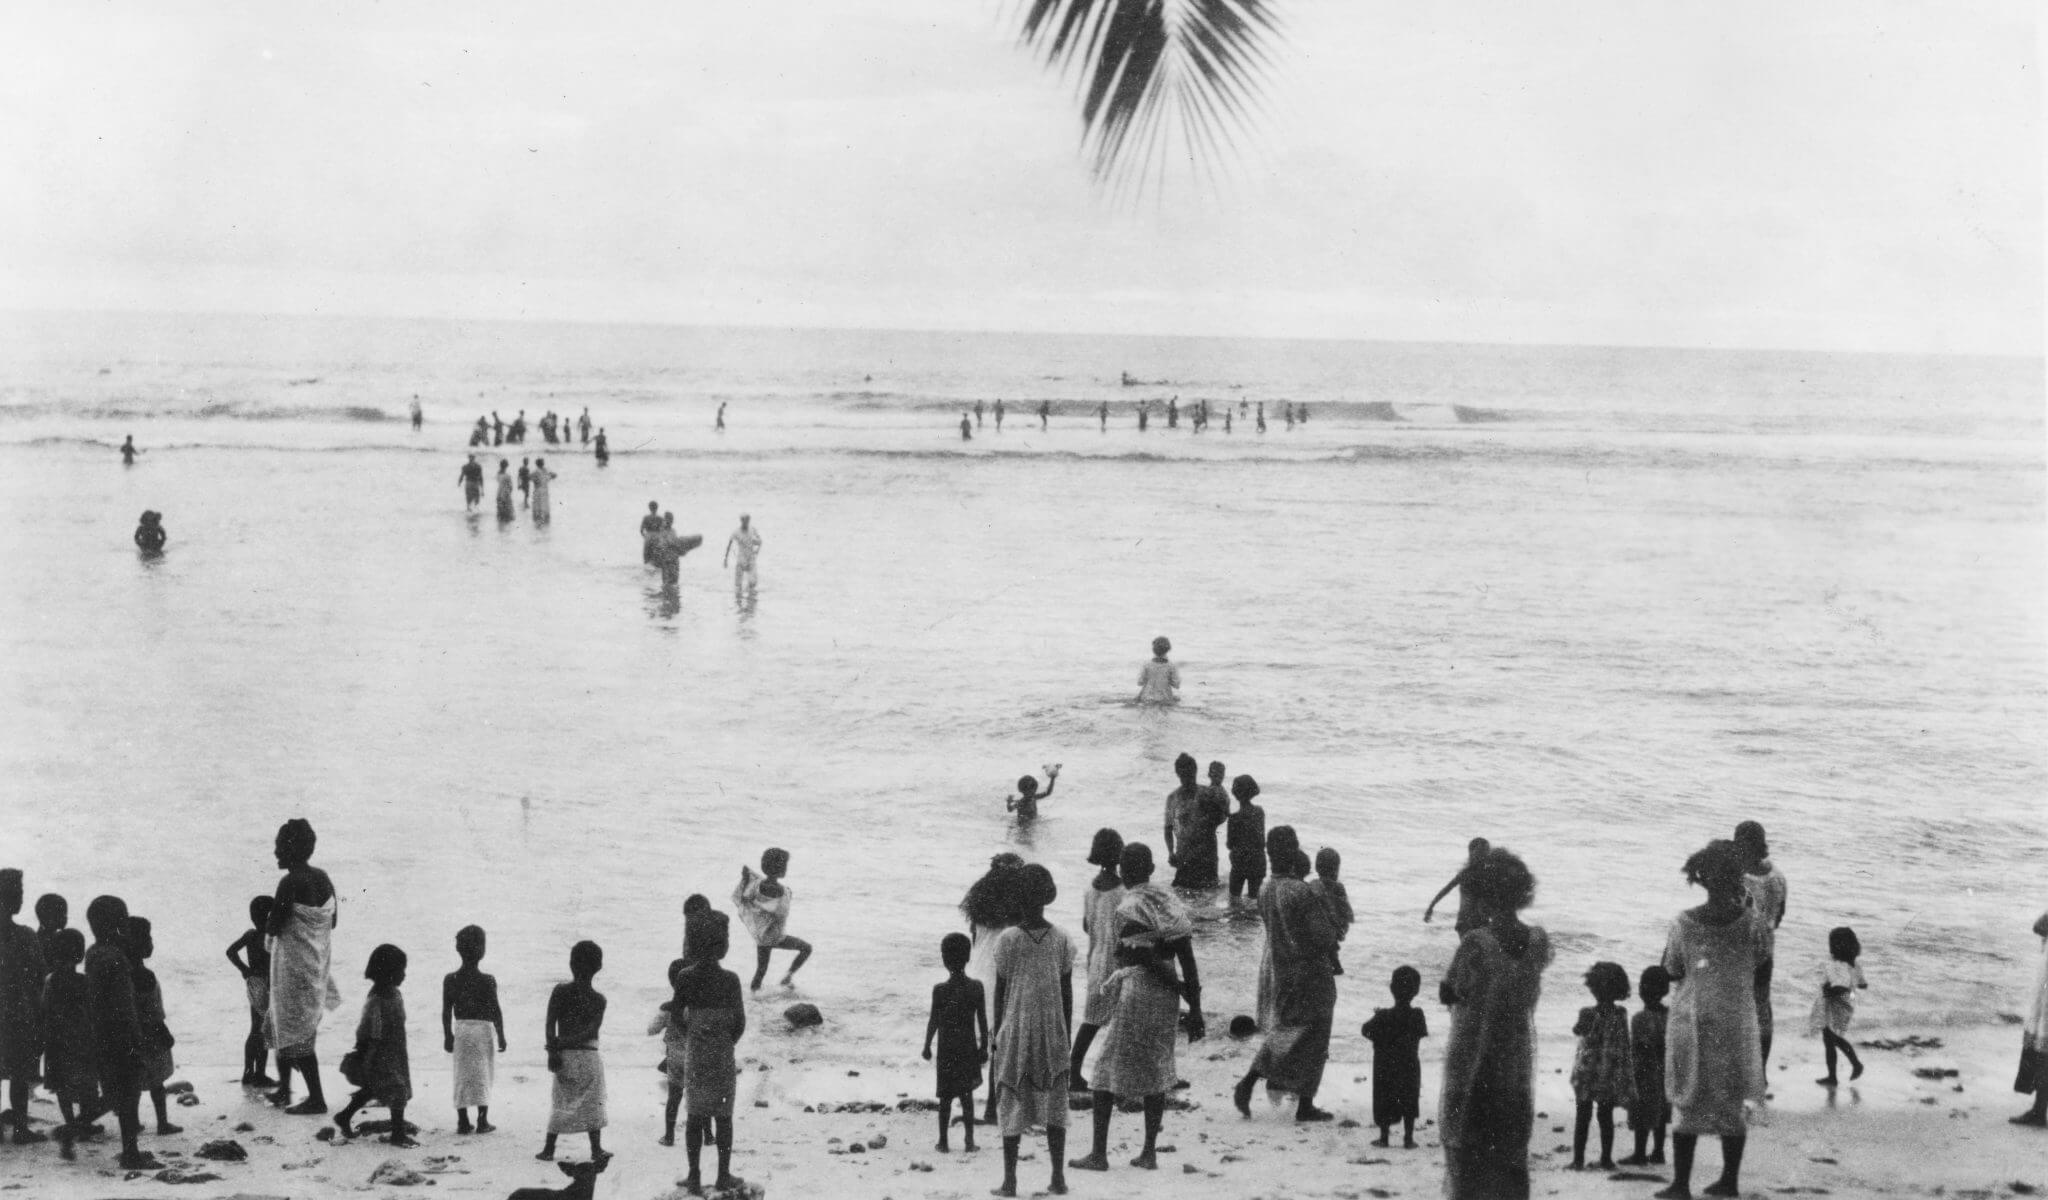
{"x": 1837, "y": 175}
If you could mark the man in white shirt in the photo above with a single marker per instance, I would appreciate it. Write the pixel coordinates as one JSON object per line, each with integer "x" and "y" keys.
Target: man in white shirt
{"x": 747, "y": 540}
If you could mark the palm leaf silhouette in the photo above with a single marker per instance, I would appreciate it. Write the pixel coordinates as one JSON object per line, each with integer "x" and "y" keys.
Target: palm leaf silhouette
{"x": 1151, "y": 69}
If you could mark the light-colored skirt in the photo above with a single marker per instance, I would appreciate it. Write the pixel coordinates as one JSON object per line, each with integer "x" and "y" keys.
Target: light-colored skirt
{"x": 579, "y": 1093}
{"x": 1138, "y": 1045}
{"x": 476, "y": 1062}
{"x": 1018, "y": 1109}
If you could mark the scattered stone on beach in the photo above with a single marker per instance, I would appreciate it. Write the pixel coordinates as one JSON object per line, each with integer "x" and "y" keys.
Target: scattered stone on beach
{"x": 224, "y": 1150}
{"x": 326, "y": 1133}
{"x": 1911, "y": 1041}
{"x": 444, "y": 1164}
{"x": 244, "y": 1127}
{"x": 383, "y": 1125}
{"x": 302, "y": 1164}
{"x": 187, "y": 1100}
{"x": 1936, "y": 1072}
{"x": 392, "y": 1173}
{"x": 184, "y": 1175}
{"x": 1190, "y": 1169}
{"x": 177, "y": 1086}
{"x": 921, "y": 1166}
{"x": 1242, "y": 1026}
{"x": 1363, "y": 1161}
{"x": 803, "y": 1016}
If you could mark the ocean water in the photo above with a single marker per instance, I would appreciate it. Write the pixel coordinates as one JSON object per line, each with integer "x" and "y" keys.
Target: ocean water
{"x": 1597, "y": 605}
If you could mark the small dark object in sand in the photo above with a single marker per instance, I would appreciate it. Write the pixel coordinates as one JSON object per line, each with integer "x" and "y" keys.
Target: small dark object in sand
{"x": 1380, "y": 1193}
{"x": 183, "y": 1175}
{"x": 392, "y": 1173}
{"x": 384, "y": 1126}
{"x": 172, "y": 1089}
{"x": 1936, "y": 1072}
{"x": 244, "y": 1127}
{"x": 1829, "y": 1161}
{"x": 1911, "y": 1041}
{"x": 326, "y": 1133}
{"x": 1242, "y": 1026}
{"x": 878, "y": 1141}
{"x": 187, "y": 1100}
{"x": 1634, "y": 1177}
{"x": 224, "y": 1150}
{"x": 1370, "y": 1162}
{"x": 803, "y": 1016}
{"x": 2022, "y": 1188}
{"x": 1802, "y": 1191}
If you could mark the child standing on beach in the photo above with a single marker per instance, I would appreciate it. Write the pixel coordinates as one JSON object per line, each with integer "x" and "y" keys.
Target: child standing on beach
{"x": 575, "y": 1017}
{"x": 1603, "y": 1074}
{"x": 1099, "y": 922}
{"x": 1650, "y": 1111}
{"x": 1835, "y": 1007}
{"x": 53, "y": 916}
{"x": 1335, "y": 899}
{"x": 383, "y": 1069}
{"x": 155, "y": 1063}
{"x": 1396, "y": 1035}
{"x": 1025, "y": 802}
{"x": 21, "y": 994}
{"x": 251, "y": 958}
{"x": 708, "y": 1007}
{"x": 763, "y": 902}
{"x": 472, "y": 1029}
{"x": 1244, "y": 835}
{"x": 1159, "y": 680}
{"x": 68, "y": 1068}
{"x": 959, "y": 1019}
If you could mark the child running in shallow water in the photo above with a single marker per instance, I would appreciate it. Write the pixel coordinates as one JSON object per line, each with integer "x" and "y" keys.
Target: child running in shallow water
{"x": 1835, "y": 1007}
{"x": 251, "y": 957}
{"x": 1396, "y": 1035}
{"x": 1603, "y": 1074}
{"x": 763, "y": 902}
{"x": 959, "y": 1019}
{"x": 1650, "y": 1111}
{"x": 1025, "y": 802}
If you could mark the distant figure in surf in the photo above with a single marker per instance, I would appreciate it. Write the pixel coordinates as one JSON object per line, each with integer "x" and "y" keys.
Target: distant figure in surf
{"x": 1144, "y": 414}
{"x": 720, "y": 425}
{"x": 1289, "y": 413}
{"x": 1173, "y": 413}
{"x": 1102, "y": 415}
{"x": 602, "y": 449}
{"x": 417, "y": 415}
{"x": 1244, "y": 408}
{"x": 525, "y": 480}
{"x": 999, "y": 414}
{"x": 505, "y": 511}
{"x": 1044, "y": 413}
{"x": 966, "y": 429}
{"x": 763, "y": 904}
{"x": 583, "y": 425}
{"x": 977, "y": 414}
{"x": 1262, "y": 416}
{"x": 1159, "y": 680}
{"x": 481, "y": 435}
{"x": 1226, "y": 420}
{"x": 1301, "y": 414}
{"x": 128, "y": 451}
{"x": 650, "y": 528}
{"x": 747, "y": 540}
{"x": 1471, "y": 915}
{"x": 1025, "y": 802}
{"x": 471, "y": 477}
{"x": 669, "y": 548}
{"x": 150, "y": 536}
{"x": 497, "y": 429}
{"x": 517, "y": 432}
{"x": 543, "y": 506}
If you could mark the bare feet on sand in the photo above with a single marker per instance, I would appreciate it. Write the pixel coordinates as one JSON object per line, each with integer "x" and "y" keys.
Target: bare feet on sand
{"x": 1089, "y": 1162}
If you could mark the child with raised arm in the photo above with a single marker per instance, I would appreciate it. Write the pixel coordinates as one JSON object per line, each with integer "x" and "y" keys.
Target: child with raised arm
{"x": 384, "y": 1072}
{"x": 709, "y": 1008}
{"x": 472, "y": 1029}
{"x": 155, "y": 1062}
{"x": 763, "y": 903}
{"x": 1244, "y": 836}
{"x": 1336, "y": 901}
{"x": 1025, "y": 802}
{"x": 1835, "y": 1007}
{"x": 959, "y": 1019}
{"x": 68, "y": 1068}
{"x": 1159, "y": 680}
{"x": 575, "y": 1017}
{"x": 1396, "y": 1035}
{"x": 251, "y": 958}
{"x": 1650, "y": 1112}
{"x": 1603, "y": 1073}
{"x": 1470, "y": 914}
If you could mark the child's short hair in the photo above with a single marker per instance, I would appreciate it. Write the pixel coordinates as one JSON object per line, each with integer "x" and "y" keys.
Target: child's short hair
{"x": 954, "y": 950}
{"x": 1501, "y": 882}
{"x": 695, "y": 903}
{"x": 1160, "y": 645}
{"x": 1607, "y": 981}
{"x": 1716, "y": 865}
{"x": 11, "y": 889}
{"x": 67, "y": 948}
{"x": 586, "y": 958}
{"x": 387, "y": 963}
{"x": 1654, "y": 983}
{"x": 106, "y": 915}
{"x": 1406, "y": 983}
{"x": 139, "y": 930}
{"x": 1185, "y": 766}
{"x": 52, "y": 909}
{"x": 1215, "y": 769}
{"x": 708, "y": 933}
{"x": 1843, "y": 944}
{"x": 1027, "y": 785}
{"x": 469, "y": 942}
{"x": 1477, "y": 848}
{"x": 1328, "y": 861}
{"x": 1245, "y": 788}
{"x": 1135, "y": 864}
{"x": 1035, "y": 886}
{"x": 774, "y": 860}
{"x": 1107, "y": 849}
{"x": 259, "y": 910}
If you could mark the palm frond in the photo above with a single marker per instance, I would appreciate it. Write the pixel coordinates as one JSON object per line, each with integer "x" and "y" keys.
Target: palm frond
{"x": 1154, "y": 70}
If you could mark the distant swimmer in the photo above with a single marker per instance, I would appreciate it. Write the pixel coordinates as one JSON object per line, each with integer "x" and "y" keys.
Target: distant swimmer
{"x": 650, "y": 528}
{"x": 525, "y": 480}
{"x": 999, "y": 414}
{"x": 966, "y": 428}
{"x": 1144, "y": 414}
{"x": 602, "y": 449}
{"x": 417, "y": 415}
{"x": 977, "y": 414}
{"x": 1102, "y": 415}
{"x": 497, "y": 429}
{"x": 1025, "y": 802}
{"x": 1288, "y": 413}
{"x": 1226, "y": 418}
{"x": 505, "y": 510}
{"x": 1262, "y": 416}
{"x": 150, "y": 536}
{"x": 481, "y": 435}
{"x": 1044, "y": 412}
{"x": 543, "y": 500}
{"x": 720, "y": 426}
{"x": 128, "y": 451}
{"x": 1159, "y": 680}
{"x": 1301, "y": 414}
{"x": 583, "y": 425}
{"x": 747, "y": 540}
{"x": 472, "y": 479}
{"x": 1173, "y": 413}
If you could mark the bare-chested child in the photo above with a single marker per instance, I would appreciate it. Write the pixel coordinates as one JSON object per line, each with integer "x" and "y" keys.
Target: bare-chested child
{"x": 1470, "y": 913}
{"x": 251, "y": 958}
{"x": 116, "y": 1028}
{"x": 763, "y": 902}
{"x": 472, "y": 1029}
{"x": 1025, "y": 802}
{"x": 575, "y": 1019}
{"x": 21, "y": 983}
{"x": 67, "y": 1040}
{"x": 713, "y": 1016}
{"x": 155, "y": 1060}
{"x": 959, "y": 1019}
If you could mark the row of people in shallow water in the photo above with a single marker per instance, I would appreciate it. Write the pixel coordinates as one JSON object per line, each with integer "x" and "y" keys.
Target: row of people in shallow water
{"x": 533, "y": 482}
{"x": 663, "y": 548}
{"x": 554, "y": 430}
{"x": 1198, "y": 414}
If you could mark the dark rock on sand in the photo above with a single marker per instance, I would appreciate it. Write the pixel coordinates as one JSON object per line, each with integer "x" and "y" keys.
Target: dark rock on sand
{"x": 224, "y": 1150}
{"x": 803, "y": 1016}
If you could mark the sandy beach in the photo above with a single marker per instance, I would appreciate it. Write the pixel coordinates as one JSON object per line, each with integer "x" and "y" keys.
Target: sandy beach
{"x": 1893, "y": 1133}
